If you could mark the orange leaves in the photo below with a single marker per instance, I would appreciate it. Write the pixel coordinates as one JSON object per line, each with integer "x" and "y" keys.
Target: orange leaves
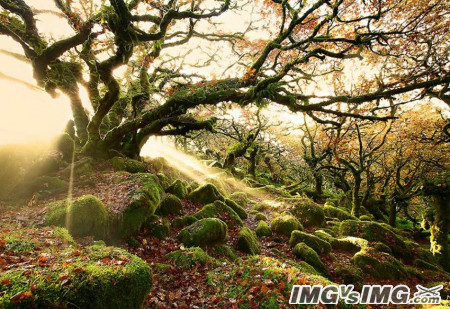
{"x": 21, "y": 296}
{"x": 249, "y": 75}
{"x": 6, "y": 281}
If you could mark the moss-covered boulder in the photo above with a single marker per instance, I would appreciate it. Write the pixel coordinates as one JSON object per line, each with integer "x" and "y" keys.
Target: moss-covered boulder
{"x": 163, "y": 180}
{"x": 263, "y": 229}
{"x": 339, "y": 213}
{"x": 205, "y": 194}
{"x": 220, "y": 210}
{"x": 375, "y": 232}
{"x": 349, "y": 243}
{"x": 285, "y": 224}
{"x": 306, "y": 253}
{"x": 59, "y": 275}
{"x": 66, "y": 146}
{"x": 260, "y": 216}
{"x": 128, "y": 165}
{"x": 183, "y": 221}
{"x": 308, "y": 213}
{"x": 247, "y": 241}
{"x": 178, "y": 188}
{"x": 240, "y": 198}
{"x": 86, "y": 216}
{"x": 159, "y": 228}
{"x": 237, "y": 208}
{"x": 380, "y": 265}
{"x": 80, "y": 168}
{"x": 349, "y": 274}
{"x": 43, "y": 186}
{"x": 170, "y": 205}
{"x": 205, "y": 232}
{"x": 319, "y": 245}
{"x": 190, "y": 257}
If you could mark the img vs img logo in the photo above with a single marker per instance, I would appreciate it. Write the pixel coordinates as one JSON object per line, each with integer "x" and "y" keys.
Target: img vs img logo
{"x": 370, "y": 294}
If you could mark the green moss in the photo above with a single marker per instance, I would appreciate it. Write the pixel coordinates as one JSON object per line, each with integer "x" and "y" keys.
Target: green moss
{"x": 374, "y": 231}
{"x": 170, "y": 205}
{"x": 178, "y": 188}
{"x": 285, "y": 224}
{"x": 247, "y": 241}
{"x": 159, "y": 228}
{"x": 379, "y": 264}
{"x": 205, "y": 194}
{"x": 414, "y": 272}
{"x": 240, "y": 198}
{"x": 308, "y": 213}
{"x": 319, "y": 245}
{"x": 189, "y": 257}
{"x": 306, "y": 253}
{"x": 365, "y": 218}
{"x": 335, "y": 212}
{"x": 183, "y": 221}
{"x": 205, "y": 232}
{"x": 220, "y": 251}
{"x": 128, "y": 165}
{"x": 219, "y": 210}
{"x": 260, "y": 216}
{"x": 65, "y": 145}
{"x": 46, "y": 186}
{"x": 86, "y": 216}
{"x": 352, "y": 244}
{"x": 324, "y": 235}
{"x": 238, "y": 209}
{"x": 349, "y": 275}
{"x": 423, "y": 264}
{"x": 382, "y": 247}
{"x": 263, "y": 229}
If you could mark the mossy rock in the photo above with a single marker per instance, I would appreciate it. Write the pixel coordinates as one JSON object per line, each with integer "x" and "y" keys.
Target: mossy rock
{"x": 335, "y": 212}
{"x": 263, "y": 229}
{"x": 183, "y": 221}
{"x": 205, "y": 194}
{"x": 377, "y": 232}
{"x": 220, "y": 210}
{"x": 170, "y": 205}
{"x": 382, "y": 247}
{"x": 247, "y": 241}
{"x": 426, "y": 265}
{"x": 221, "y": 251}
{"x": 324, "y": 235}
{"x": 178, "y": 188}
{"x": 380, "y": 265}
{"x": 66, "y": 146}
{"x": 260, "y": 216}
{"x": 83, "y": 167}
{"x": 204, "y": 232}
{"x": 319, "y": 245}
{"x": 240, "y": 198}
{"x": 349, "y": 275}
{"x": 308, "y": 213}
{"x": 163, "y": 180}
{"x": 190, "y": 257}
{"x": 85, "y": 277}
{"x": 349, "y": 243}
{"x": 128, "y": 165}
{"x": 238, "y": 209}
{"x": 310, "y": 256}
{"x": 159, "y": 228}
{"x": 285, "y": 224}
{"x": 44, "y": 186}
{"x": 365, "y": 218}
{"x": 86, "y": 216}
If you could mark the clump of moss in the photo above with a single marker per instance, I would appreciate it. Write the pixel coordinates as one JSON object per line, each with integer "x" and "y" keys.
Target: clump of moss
{"x": 183, "y": 221}
{"x": 263, "y": 229}
{"x": 240, "y": 198}
{"x": 306, "y": 253}
{"x": 86, "y": 216}
{"x": 190, "y": 257}
{"x": 158, "y": 228}
{"x": 170, "y": 205}
{"x": 238, "y": 209}
{"x": 44, "y": 186}
{"x": 221, "y": 251}
{"x": 205, "y": 194}
{"x": 247, "y": 241}
{"x": 379, "y": 264}
{"x": 349, "y": 274}
{"x": 365, "y": 218}
{"x": 349, "y": 243}
{"x": 178, "y": 188}
{"x": 424, "y": 264}
{"x": 205, "y": 232}
{"x": 285, "y": 224}
{"x": 319, "y": 245}
{"x": 309, "y": 213}
{"x": 128, "y": 165}
{"x": 219, "y": 210}
{"x": 66, "y": 145}
{"x": 335, "y": 212}
{"x": 260, "y": 216}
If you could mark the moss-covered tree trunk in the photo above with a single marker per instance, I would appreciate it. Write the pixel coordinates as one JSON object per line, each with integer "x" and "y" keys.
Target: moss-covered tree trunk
{"x": 440, "y": 229}
{"x": 356, "y": 199}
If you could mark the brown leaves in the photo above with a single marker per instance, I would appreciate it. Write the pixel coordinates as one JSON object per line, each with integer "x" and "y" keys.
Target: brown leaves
{"x": 21, "y": 296}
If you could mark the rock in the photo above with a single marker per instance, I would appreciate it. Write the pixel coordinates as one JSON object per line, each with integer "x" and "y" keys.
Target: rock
{"x": 247, "y": 241}
{"x": 260, "y": 216}
{"x": 205, "y": 232}
{"x": 128, "y": 165}
{"x": 159, "y": 228}
{"x": 178, "y": 188}
{"x": 377, "y": 232}
{"x": 79, "y": 168}
{"x": 285, "y": 224}
{"x": 382, "y": 247}
{"x": 219, "y": 209}
{"x": 183, "y": 221}
{"x": 306, "y": 253}
{"x": 349, "y": 275}
{"x": 44, "y": 186}
{"x": 335, "y": 212}
{"x": 238, "y": 209}
{"x": 189, "y": 257}
{"x": 205, "y": 194}
{"x": 425, "y": 265}
{"x": 380, "y": 265}
{"x": 221, "y": 251}
{"x": 163, "y": 180}
{"x": 263, "y": 229}
{"x": 66, "y": 146}
{"x": 349, "y": 243}
{"x": 319, "y": 245}
{"x": 240, "y": 198}
{"x": 170, "y": 205}
{"x": 308, "y": 213}
{"x": 86, "y": 216}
